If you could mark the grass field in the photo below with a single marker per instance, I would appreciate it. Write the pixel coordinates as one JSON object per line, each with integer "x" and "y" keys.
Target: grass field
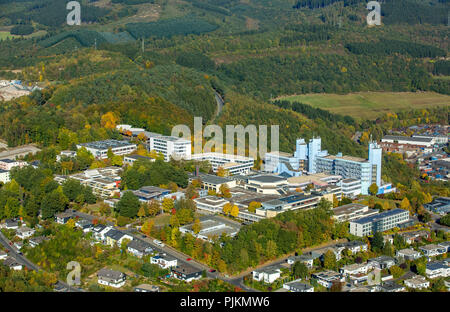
{"x": 5, "y": 34}
{"x": 369, "y": 105}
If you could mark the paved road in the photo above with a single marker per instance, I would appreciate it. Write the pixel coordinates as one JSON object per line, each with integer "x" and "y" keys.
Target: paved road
{"x": 220, "y": 104}
{"x": 181, "y": 257}
{"x": 13, "y": 252}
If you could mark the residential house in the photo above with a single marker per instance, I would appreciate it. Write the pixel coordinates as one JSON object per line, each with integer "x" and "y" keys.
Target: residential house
{"x": 432, "y": 250}
{"x": 354, "y": 269}
{"x": 337, "y": 250}
{"x": 186, "y": 273}
{"x": 388, "y": 238}
{"x": 307, "y": 259}
{"x": 111, "y": 278}
{"x": 12, "y": 264}
{"x": 390, "y": 287}
{"x": 354, "y": 246}
{"x": 381, "y": 262}
{"x": 115, "y": 237}
{"x": 3, "y": 255}
{"x": 296, "y": 286}
{"x": 164, "y": 261}
{"x": 411, "y": 237}
{"x": 24, "y": 232}
{"x": 445, "y": 245}
{"x": 35, "y": 241}
{"x": 100, "y": 230}
{"x": 139, "y": 248}
{"x": 18, "y": 245}
{"x": 85, "y": 225}
{"x": 11, "y": 224}
{"x": 437, "y": 269}
{"x": 327, "y": 278}
{"x": 63, "y": 217}
{"x": 417, "y": 282}
{"x": 408, "y": 254}
{"x": 267, "y": 275}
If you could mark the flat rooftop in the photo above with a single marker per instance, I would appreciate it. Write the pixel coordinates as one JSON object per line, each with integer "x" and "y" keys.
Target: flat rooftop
{"x": 310, "y": 178}
{"x": 345, "y": 157}
{"x": 406, "y": 138}
{"x": 378, "y": 216}
{"x": 349, "y": 208}
{"x": 106, "y": 144}
{"x": 212, "y": 179}
{"x": 267, "y": 179}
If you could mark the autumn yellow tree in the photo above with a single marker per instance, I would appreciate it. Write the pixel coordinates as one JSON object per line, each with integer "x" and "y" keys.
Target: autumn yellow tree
{"x": 225, "y": 191}
{"x": 222, "y": 172}
{"x": 147, "y": 227}
{"x": 405, "y": 204}
{"x": 253, "y": 206}
{"x": 167, "y": 204}
{"x": 141, "y": 212}
{"x": 234, "y": 211}
{"x": 227, "y": 208}
{"x": 109, "y": 120}
{"x": 196, "y": 227}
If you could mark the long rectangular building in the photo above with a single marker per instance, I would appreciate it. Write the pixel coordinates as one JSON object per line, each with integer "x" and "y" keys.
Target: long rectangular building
{"x": 379, "y": 222}
{"x": 234, "y": 164}
{"x": 170, "y": 146}
{"x": 422, "y": 141}
{"x": 100, "y": 148}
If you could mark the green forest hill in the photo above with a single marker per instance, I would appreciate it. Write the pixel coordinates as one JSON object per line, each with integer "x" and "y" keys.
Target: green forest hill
{"x": 158, "y": 63}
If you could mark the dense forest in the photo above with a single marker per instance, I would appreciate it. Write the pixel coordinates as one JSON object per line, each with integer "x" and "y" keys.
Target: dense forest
{"x": 161, "y": 73}
{"x": 389, "y": 47}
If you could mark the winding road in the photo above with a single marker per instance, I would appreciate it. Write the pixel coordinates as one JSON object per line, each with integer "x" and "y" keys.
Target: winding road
{"x": 13, "y": 252}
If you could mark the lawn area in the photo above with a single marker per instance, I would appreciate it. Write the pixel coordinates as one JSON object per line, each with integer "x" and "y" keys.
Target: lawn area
{"x": 162, "y": 219}
{"x": 370, "y": 105}
{"x": 5, "y": 34}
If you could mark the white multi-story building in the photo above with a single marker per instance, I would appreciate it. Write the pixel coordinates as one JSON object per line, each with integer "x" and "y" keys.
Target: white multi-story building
{"x": 8, "y": 164}
{"x": 103, "y": 181}
{"x": 234, "y": 164}
{"x": 211, "y": 204}
{"x": 352, "y": 211}
{"x": 100, "y": 148}
{"x": 350, "y": 187}
{"x": 170, "y": 146}
{"x": 379, "y": 222}
{"x": 4, "y": 176}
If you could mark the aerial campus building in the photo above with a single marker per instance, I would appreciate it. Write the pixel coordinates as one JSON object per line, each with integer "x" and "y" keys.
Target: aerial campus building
{"x": 380, "y": 222}
{"x": 100, "y": 148}
{"x": 316, "y": 160}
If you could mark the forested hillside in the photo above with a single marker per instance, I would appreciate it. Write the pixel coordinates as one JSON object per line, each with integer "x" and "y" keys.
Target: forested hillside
{"x": 157, "y": 63}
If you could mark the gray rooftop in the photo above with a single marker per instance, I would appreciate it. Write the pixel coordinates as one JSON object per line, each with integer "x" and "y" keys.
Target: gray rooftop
{"x": 106, "y": 144}
{"x": 405, "y": 138}
{"x": 267, "y": 178}
{"x": 379, "y": 216}
{"x": 110, "y": 274}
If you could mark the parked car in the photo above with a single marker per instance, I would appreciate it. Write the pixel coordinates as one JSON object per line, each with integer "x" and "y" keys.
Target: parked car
{"x": 159, "y": 243}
